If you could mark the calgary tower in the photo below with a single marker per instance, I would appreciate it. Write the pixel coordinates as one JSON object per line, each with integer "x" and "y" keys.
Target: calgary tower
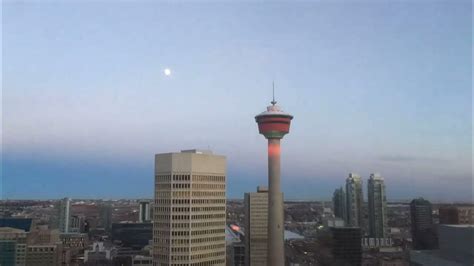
{"x": 274, "y": 124}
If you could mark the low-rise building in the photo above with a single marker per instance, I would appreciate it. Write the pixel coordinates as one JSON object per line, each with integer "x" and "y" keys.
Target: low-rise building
{"x": 140, "y": 260}
{"x": 43, "y": 255}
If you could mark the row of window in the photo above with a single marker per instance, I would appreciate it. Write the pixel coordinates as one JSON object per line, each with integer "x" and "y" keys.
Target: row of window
{"x": 208, "y": 194}
{"x": 208, "y": 232}
{"x": 165, "y": 250}
{"x": 159, "y": 202}
{"x": 208, "y": 239}
{"x": 194, "y": 178}
{"x": 187, "y": 194}
{"x": 208, "y": 255}
{"x": 207, "y": 224}
{"x": 207, "y": 247}
{"x": 207, "y": 178}
{"x": 209, "y": 186}
{"x": 207, "y": 263}
{"x": 208, "y": 216}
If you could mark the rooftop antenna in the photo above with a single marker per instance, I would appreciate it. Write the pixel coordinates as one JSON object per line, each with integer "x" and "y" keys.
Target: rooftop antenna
{"x": 273, "y": 102}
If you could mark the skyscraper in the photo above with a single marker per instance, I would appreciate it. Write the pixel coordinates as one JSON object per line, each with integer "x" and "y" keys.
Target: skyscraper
{"x": 65, "y": 215}
{"x": 144, "y": 211}
{"x": 339, "y": 204}
{"x": 274, "y": 124}
{"x": 422, "y": 230}
{"x": 190, "y": 209}
{"x": 377, "y": 207}
{"x": 256, "y": 227}
{"x": 355, "y": 200}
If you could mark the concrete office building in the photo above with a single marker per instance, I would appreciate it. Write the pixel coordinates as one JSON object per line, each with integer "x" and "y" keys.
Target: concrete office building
{"x": 43, "y": 255}
{"x": 354, "y": 200}
{"x": 256, "y": 227}
{"x": 190, "y": 209}
{"x": 377, "y": 207}
{"x": 274, "y": 124}
{"x": 422, "y": 230}
{"x": 65, "y": 215}
{"x": 12, "y": 246}
{"x": 45, "y": 247}
{"x": 144, "y": 211}
{"x": 339, "y": 204}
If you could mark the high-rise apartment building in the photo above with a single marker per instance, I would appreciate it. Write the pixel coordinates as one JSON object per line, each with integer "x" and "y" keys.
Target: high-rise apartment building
{"x": 354, "y": 200}
{"x": 339, "y": 204}
{"x": 144, "y": 211}
{"x": 65, "y": 215}
{"x": 422, "y": 230}
{"x": 377, "y": 207}
{"x": 256, "y": 227}
{"x": 190, "y": 209}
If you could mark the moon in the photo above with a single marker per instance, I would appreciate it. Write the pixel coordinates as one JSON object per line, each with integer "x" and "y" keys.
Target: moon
{"x": 167, "y": 72}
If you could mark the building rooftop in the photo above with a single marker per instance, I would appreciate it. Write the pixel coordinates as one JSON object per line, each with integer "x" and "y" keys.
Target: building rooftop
{"x": 197, "y": 151}
{"x": 274, "y": 110}
{"x": 18, "y": 223}
{"x": 11, "y": 230}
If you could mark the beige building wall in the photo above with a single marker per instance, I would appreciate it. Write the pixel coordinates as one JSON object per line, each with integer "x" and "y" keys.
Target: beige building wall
{"x": 189, "y": 216}
{"x": 466, "y": 214}
{"x": 43, "y": 255}
{"x": 256, "y": 227}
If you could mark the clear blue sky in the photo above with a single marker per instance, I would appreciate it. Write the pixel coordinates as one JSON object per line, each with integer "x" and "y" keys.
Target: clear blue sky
{"x": 375, "y": 86}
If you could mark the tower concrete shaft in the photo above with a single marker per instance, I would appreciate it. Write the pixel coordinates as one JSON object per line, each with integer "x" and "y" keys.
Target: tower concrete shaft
{"x": 274, "y": 124}
{"x": 276, "y": 254}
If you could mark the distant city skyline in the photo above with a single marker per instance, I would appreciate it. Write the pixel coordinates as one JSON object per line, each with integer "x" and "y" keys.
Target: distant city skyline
{"x": 92, "y": 91}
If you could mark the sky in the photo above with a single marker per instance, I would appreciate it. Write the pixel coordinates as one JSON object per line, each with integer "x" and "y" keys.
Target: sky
{"x": 374, "y": 86}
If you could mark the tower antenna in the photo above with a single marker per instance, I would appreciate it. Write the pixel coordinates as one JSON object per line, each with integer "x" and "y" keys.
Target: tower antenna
{"x": 273, "y": 102}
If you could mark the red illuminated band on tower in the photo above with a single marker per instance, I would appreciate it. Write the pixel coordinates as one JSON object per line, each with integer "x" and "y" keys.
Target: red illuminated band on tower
{"x": 274, "y": 124}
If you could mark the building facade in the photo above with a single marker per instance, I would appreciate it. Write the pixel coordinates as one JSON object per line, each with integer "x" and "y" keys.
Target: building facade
{"x": 65, "y": 215}
{"x": 422, "y": 230}
{"x": 144, "y": 211}
{"x": 456, "y": 215}
{"x": 12, "y": 246}
{"x": 339, "y": 204}
{"x": 43, "y": 255}
{"x": 354, "y": 200}
{"x": 190, "y": 209}
{"x": 347, "y": 245}
{"x": 132, "y": 235}
{"x": 377, "y": 207}
{"x": 256, "y": 227}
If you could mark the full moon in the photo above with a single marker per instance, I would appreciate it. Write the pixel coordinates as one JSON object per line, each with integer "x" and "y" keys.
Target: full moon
{"x": 167, "y": 71}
